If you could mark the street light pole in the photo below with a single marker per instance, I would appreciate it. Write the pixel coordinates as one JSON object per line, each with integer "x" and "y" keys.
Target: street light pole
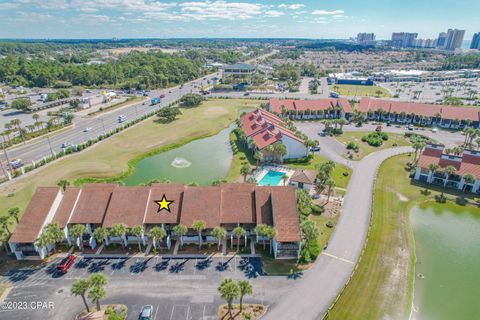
{"x": 50, "y": 145}
{"x": 103, "y": 125}
{"x": 6, "y": 155}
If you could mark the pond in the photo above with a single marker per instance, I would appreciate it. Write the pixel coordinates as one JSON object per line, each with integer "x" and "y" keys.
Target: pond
{"x": 201, "y": 161}
{"x": 447, "y": 272}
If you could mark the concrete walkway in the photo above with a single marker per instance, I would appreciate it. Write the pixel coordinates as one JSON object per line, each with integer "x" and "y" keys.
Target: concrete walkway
{"x": 311, "y": 297}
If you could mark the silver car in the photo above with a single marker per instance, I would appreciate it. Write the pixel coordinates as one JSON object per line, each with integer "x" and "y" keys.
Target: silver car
{"x": 146, "y": 313}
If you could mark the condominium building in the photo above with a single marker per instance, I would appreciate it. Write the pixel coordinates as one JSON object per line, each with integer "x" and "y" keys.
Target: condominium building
{"x": 463, "y": 174}
{"x": 475, "y": 41}
{"x": 366, "y": 38}
{"x": 105, "y": 205}
{"x": 404, "y": 39}
{"x": 442, "y": 38}
{"x": 454, "y": 39}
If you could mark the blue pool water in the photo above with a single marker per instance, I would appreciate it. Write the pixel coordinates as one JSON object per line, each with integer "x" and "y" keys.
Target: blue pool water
{"x": 272, "y": 178}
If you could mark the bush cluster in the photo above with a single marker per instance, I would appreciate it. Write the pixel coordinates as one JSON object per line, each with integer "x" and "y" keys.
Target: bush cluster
{"x": 375, "y": 139}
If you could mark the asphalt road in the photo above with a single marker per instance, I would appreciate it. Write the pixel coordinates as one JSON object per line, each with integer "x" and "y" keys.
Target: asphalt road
{"x": 311, "y": 297}
{"x": 39, "y": 148}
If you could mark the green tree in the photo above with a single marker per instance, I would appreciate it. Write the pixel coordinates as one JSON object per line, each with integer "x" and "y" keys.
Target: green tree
{"x": 220, "y": 234}
{"x": 119, "y": 230}
{"x": 261, "y": 230}
{"x": 229, "y": 291}
{"x": 98, "y": 279}
{"x": 22, "y": 104}
{"x": 157, "y": 234}
{"x": 168, "y": 114}
{"x": 80, "y": 288}
{"x": 63, "y": 184}
{"x": 191, "y": 100}
{"x": 96, "y": 293}
{"x": 137, "y": 231}
{"x": 13, "y": 213}
{"x": 76, "y": 232}
{"x": 280, "y": 150}
{"x": 271, "y": 233}
{"x": 100, "y": 234}
{"x": 330, "y": 184}
{"x": 180, "y": 230}
{"x": 199, "y": 226}
{"x": 55, "y": 233}
{"x": 4, "y": 222}
{"x": 309, "y": 231}
{"x": 258, "y": 156}
{"x": 239, "y": 232}
{"x": 244, "y": 171}
{"x": 245, "y": 288}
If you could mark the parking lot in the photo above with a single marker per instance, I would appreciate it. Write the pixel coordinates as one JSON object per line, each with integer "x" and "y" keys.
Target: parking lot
{"x": 177, "y": 288}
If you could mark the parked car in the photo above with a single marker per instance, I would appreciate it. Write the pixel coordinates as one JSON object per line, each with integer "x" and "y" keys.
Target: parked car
{"x": 87, "y": 129}
{"x": 121, "y": 118}
{"x": 65, "y": 145}
{"x": 410, "y": 127}
{"x": 315, "y": 149}
{"x": 146, "y": 313}
{"x": 66, "y": 263}
{"x": 434, "y": 129}
{"x": 162, "y": 96}
{"x": 16, "y": 163}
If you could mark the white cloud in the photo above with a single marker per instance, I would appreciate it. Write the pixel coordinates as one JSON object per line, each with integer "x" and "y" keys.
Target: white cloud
{"x": 274, "y": 13}
{"x": 294, "y": 6}
{"x": 220, "y": 10}
{"x": 326, "y": 13}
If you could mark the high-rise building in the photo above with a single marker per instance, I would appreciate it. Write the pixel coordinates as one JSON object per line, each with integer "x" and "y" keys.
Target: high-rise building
{"x": 365, "y": 38}
{"x": 454, "y": 39}
{"x": 475, "y": 41}
{"x": 404, "y": 39}
{"x": 442, "y": 38}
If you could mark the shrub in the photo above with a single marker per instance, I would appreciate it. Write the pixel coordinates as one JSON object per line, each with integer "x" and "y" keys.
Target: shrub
{"x": 329, "y": 224}
{"x": 441, "y": 198}
{"x": 375, "y": 139}
{"x": 352, "y": 146}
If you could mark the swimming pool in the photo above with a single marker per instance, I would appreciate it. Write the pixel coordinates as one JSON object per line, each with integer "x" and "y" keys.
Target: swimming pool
{"x": 272, "y": 178}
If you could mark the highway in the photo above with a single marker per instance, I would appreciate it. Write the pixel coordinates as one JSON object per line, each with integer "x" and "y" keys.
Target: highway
{"x": 43, "y": 147}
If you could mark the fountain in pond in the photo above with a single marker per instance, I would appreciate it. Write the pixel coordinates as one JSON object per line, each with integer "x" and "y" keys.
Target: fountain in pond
{"x": 181, "y": 163}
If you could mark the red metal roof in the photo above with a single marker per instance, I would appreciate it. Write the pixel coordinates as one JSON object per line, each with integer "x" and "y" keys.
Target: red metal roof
{"x": 421, "y": 109}
{"x": 469, "y": 164}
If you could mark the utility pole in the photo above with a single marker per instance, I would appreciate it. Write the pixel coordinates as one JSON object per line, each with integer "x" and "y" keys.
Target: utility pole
{"x": 103, "y": 125}
{"x": 50, "y": 145}
{"x": 6, "y": 155}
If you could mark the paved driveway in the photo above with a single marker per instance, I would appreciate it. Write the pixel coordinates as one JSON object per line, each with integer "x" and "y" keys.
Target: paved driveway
{"x": 177, "y": 288}
{"x": 314, "y": 294}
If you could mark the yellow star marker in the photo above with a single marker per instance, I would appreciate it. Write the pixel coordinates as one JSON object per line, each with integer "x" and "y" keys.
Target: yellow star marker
{"x": 163, "y": 204}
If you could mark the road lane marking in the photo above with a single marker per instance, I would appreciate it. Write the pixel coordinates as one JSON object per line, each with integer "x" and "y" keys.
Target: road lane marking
{"x": 156, "y": 311}
{"x": 338, "y": 258}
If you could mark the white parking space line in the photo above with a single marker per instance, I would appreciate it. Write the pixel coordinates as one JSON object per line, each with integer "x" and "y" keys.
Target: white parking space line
{"x": 188, "y": 312}
{"x": 171, "y": 315}
{"x": 155, "y": 316}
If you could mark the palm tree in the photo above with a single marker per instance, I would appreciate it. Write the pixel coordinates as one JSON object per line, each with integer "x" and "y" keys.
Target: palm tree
{"x": 35, "y": 117}
{"x": 119, "y": 230}
{"x": 44, "y": 241}
{"x": 239, "y": 232}
{"x": 220, "y": 234}
{"x": 450, "y": 170}
{"x": 4, "y": 239}
{"x": 180, "y": 230}
{"x": 244, "y": 171}
{"x": 55, "y": 233}
{"x": 261, "y": 230}
{"x": 281, "y": 150}
{"x": 433, "y": 167}
{"x": 469, "y": 179}
{"x": 418, "y": 145}
{"x": 199, "y": 226}
{"x": 271, "y": 233}
{"x": 80, "y": 288}
{"x": 245, "y": 288}
{"x": 100, "y": 234}
{"x": 137, "y": 231}
{"x": 13, "y": 213}
{"x": 98, "y": 279}
{"x": 284, "y": 179}
{"x": 63, "y": 184}
{"x": 77, "y": 231}
{"x": 229, "y": 290}
{"x": 258, "y": 156}
{"x": 95, "y": 294}
{"x": 157, "y": 234}
{"x": 330, "y": 183}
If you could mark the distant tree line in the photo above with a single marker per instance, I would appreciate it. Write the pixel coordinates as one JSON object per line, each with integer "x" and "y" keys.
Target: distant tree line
{"x": 461, "y": 62}
{"x": 142, "y": 70}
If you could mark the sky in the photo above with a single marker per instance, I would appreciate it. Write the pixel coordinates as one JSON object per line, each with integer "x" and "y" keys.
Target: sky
{"x": 339, "y": 19}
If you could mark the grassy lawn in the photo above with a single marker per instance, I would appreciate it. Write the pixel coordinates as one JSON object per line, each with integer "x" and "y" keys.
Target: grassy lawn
{"x": 394, "y": 139}
{"x": 382, "y": 285}
{"x": 338, "y": 173}
{"x": 239, "y": 159}
{"x": 277, "y": 267}
{"x": 118, "y": 154}
{"x": 365, "y": 91}
{"x": 325, "y": 232}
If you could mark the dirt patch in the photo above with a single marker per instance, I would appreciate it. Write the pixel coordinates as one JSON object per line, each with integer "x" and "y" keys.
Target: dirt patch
{"x": 250, "y": 311}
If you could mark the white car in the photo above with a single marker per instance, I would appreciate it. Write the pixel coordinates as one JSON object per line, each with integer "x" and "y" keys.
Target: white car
{"x": 87, "y": 129}
{"x": 434, "y": 130}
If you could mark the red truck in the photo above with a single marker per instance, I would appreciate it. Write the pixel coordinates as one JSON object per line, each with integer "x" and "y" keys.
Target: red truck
{"x": 65, "y": 264}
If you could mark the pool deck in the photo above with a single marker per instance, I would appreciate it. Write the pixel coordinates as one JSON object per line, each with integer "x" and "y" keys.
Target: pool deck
{"x": 263, "y": 170}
